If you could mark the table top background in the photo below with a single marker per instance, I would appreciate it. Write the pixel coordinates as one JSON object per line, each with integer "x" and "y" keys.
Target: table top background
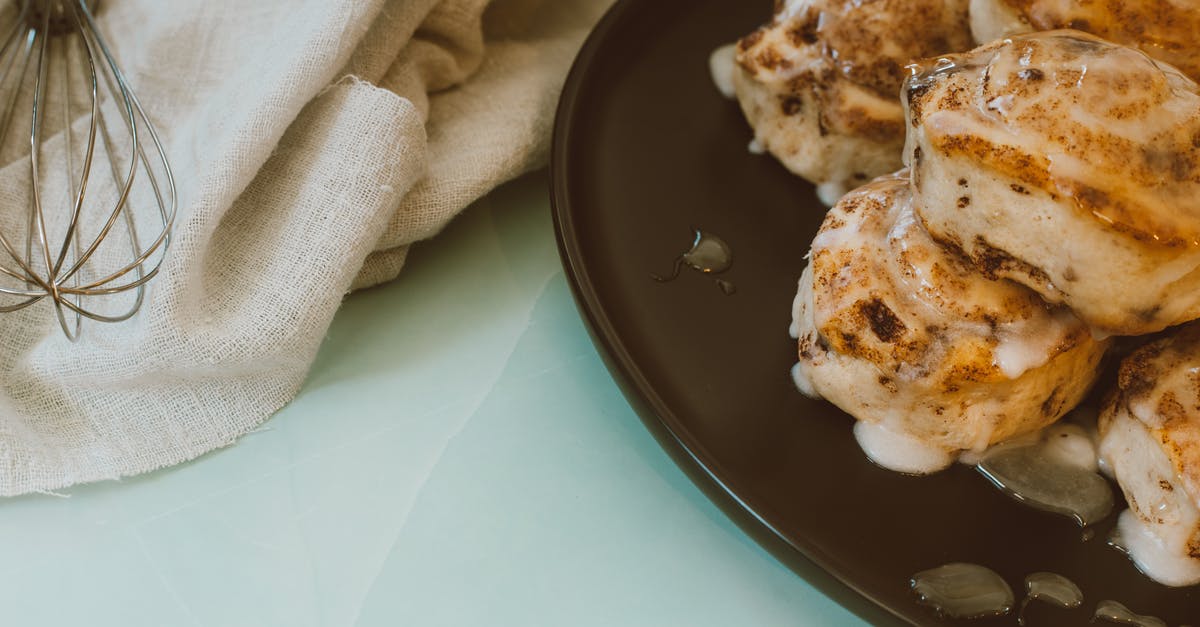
{"x": 458, "y": 456}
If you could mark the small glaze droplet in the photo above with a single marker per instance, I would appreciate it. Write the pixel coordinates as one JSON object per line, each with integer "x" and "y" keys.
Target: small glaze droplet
{"x": 1114, "y": 612}
{"x": 1049, "y": 483}
{"x": 1050, "y": 588}
{"x": 709, "y": 254}
{"x": 963, "y": 591}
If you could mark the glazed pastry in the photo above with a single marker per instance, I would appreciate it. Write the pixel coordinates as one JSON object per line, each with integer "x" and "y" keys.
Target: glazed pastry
{"x": 820, "y": 84}
{"x": 932, "y": 357}
{"x": 1150, "y": 440}
{"x": 1163, "y": 29}
{"x": 1068, "y": 164}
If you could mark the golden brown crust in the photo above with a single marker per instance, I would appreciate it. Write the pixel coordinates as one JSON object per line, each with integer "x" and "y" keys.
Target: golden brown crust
{"x": 871, "y": 47}
{"x": 866, "y": 317}
{"x": 819, "y": 44}
{"x": 1159, "y": 384}
{"x": 1166, "y": 30}
{"x": 896, "y": 330}
{"x": 1079, "y": 119}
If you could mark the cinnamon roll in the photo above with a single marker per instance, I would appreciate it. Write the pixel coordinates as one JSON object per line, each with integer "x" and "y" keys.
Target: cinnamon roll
{"x": 931, "y": 356}
{"x": 1068, "y": 164}
{"x": 820, "y": 83}
{"x": 1150, "y": 441}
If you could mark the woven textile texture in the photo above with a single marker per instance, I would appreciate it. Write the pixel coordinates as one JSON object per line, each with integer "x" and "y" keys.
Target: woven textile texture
{"x": 313, "y": 143}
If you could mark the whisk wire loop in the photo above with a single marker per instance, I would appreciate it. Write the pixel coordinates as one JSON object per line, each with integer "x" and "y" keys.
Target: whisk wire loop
{"x": 90, "y": 246}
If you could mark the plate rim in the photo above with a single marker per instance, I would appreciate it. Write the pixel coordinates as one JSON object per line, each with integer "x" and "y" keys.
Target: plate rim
{"x": 662, "y": 422}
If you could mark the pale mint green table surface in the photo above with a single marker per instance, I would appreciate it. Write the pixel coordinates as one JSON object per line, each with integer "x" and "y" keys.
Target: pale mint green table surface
{"x": 458, "y": 456}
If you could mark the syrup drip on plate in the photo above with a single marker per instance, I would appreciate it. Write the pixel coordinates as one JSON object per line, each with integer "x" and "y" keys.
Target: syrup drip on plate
{"x": 963, "y": 591}
{"x": 1114, "y": 612}
{"x": 1049, "y": 475}
{"x": 709, "y": 254}
{"x": 1050, "y": 588}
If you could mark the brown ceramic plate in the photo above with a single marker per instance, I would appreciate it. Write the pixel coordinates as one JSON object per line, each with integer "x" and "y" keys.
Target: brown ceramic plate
{"x": 644, "y": 149}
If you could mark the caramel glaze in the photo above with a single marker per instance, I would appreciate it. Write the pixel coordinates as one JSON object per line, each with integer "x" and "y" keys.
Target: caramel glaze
{"x": 1164, "y": 29}
{"x": 819, "y": 82}
{"x": 1075, "y": 117}
{"x": 898, "y": 331}
{"x": 1159, "y": 385}
{"x": 1069, "y": 164}
{"x": 817, "y": 43}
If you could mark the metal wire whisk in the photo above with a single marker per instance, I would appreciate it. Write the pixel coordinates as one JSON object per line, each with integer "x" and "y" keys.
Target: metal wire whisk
{"x": 88, "y": 244}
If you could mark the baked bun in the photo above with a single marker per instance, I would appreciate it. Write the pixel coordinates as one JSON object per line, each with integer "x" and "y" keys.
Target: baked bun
{"x": 1163, "y": 29}
{"x": 1150, "y": 440}
{"x": 820, "y": 83}
{"x": 1070, "y": 165}
{"x": 914, "y": 341}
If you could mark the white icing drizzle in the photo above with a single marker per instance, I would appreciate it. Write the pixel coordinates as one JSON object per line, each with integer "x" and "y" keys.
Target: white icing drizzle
{"x": 1151, "y": 556}
{"x": 1071, "y": 444}
{"x": 721, "y": 66}
{"x": 830, "y": 192}
{"x": 803, "y": 381}
{"x": 1014, "y": 357}
{"x": 898, "y": 451}
{"x": 790, "y": 9}
{"x": 797, "y": 304}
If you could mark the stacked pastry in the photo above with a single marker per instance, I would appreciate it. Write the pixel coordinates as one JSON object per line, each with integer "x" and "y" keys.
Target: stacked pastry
{"x": 1163, "y": 29}
{"x": 1076, "y": 165}
{"x": 1151, "y": 444}
{"x": 932, "y": 356}
{"x": 1078, "y": 162}
{"x": 818, "y": 83}
{"x": 1052, "y": 200}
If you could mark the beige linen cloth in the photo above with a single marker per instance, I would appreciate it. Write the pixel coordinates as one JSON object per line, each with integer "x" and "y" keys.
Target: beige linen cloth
{"x": 313, "y": 142}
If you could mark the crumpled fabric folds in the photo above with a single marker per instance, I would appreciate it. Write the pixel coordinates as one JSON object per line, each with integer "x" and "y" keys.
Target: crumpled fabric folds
{"x": 312, "y": 144}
